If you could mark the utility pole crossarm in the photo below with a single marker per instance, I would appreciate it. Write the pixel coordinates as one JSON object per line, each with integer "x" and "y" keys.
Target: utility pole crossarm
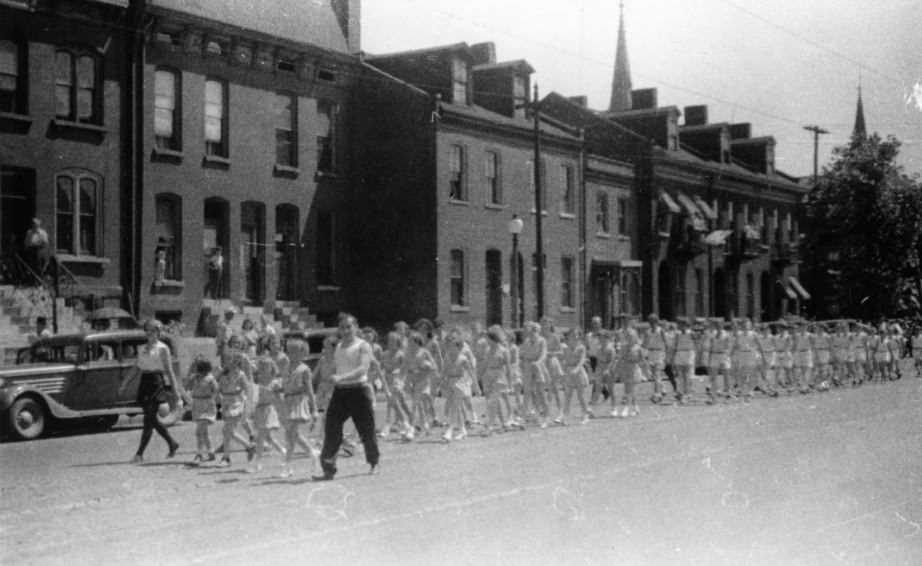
{"x": 817, "y": 131}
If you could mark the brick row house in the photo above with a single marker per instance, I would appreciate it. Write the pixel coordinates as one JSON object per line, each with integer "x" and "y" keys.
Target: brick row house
{"x": 717, "y": 222}
{"x": 244, "y": 151}
{"x": 447, "y": 148}
{"x": 139, "y": 130}
{"x": 62, "y": 142}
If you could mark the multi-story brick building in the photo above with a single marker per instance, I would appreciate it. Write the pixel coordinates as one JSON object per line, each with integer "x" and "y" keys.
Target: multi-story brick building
{"x": 243, "y": 149}
{"x": 717, "y": 223}
{"x": 447, "y": 149}
{"x": 62, "y": 142}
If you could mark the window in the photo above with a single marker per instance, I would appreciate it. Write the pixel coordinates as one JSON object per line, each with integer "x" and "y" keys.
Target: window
{"x": 680, "y": 307}
{"x": 630, "y": 292}
{"x": 459, "y": 81}
{"x": 216, "y": 119}
{"x": 217, "y": 46}
{"x": 326, "y": 248}
{"x": 601, "y": 213}
{"x": 456, "y": 181}
{"x": 491, "y": 178}
{"x": 622, "y": 216}
{"x": 76, "y": 89}
{"x": 77, "y": 203}
{"x": 12, "y": 83}
{"x": 458, "y": 298}
{"x": 750, "y": 295}
{"x": 531, "y": 173}
{"x": 326, "y": 142}
{"x": 166, "y": 110}
{"x": 286, "y": 139}
{"x": 519, "y": 95}
{"x": 566, "y": 282}
{"x": 699, "y": 292}
{"x": 568, "y": 196}
{"x": 168, "y": 226}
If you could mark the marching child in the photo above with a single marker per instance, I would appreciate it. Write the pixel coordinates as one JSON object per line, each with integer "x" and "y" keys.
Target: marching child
{"x": 457, "y": 375}
{"x": 421, "y": 371}
{"x": 265, "y": 415}
{"x": 204, "y": 389}
{"x": 495, "y": 377}
{"x": 298, "y": 396}
{"x": 630, "y": 364}
{"x": 515, "y": 380}
{"x": 233, "y": 388}
{"x": 575, "y": 377}
{"x": 393, "y": 362}
{"x": 917, "y": 350}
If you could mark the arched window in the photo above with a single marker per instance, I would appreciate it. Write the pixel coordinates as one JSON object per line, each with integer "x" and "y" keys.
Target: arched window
{"x": 77, "y": 86}
{"x": 168, "y": 226}
{"x": 78, "y": 207}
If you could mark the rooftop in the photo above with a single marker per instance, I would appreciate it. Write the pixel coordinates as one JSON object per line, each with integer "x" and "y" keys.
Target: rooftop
{"x": 301, "y": 21}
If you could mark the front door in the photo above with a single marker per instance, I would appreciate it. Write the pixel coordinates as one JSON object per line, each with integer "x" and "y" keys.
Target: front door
{"x": 17, "y": 208}
{"x": 249, "y": 268}
{"x": 494, "y": 288}
{"x": 601, "y": 293}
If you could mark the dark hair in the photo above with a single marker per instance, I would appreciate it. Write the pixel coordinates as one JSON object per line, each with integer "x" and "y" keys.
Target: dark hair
{"x": 203, "y": 366}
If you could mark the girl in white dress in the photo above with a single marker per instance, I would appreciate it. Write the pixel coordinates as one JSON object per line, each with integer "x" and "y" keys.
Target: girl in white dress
{"x": 299, "y": 405}
{"x": 495, "y": 378}
{"x": 233, "y": 385}
{"x": 203, "y": 388}
{"x": 575, "y": 378}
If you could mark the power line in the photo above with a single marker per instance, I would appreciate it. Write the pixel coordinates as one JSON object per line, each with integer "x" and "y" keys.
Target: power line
{"x": 605, "y": 64}
{"x": 809, "y": 41}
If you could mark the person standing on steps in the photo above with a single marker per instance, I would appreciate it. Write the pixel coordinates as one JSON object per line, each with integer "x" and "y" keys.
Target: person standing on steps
{"x": 352, "y": 398}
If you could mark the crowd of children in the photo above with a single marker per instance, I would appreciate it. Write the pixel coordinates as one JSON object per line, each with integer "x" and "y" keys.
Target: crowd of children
{"x": 530, "y": 376}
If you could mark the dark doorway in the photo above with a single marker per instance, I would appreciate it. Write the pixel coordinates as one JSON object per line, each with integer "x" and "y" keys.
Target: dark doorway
{"x": 720, "y": 293}
{"x": 494, "y": 288}
{"x": 287, "y": 246}
{"x": 765, "y": 294}
{"x": 252, "y": 251}
{"x": 17, "y": 208}
{"x": 215, "y": 238}
{"x": 601, "y": 281}
{"x": 517, "y": 291}
{"x": 666, "y": 291}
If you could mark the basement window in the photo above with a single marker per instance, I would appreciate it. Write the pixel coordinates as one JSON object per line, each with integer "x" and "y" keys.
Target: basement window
{"x": 326, "y": 75}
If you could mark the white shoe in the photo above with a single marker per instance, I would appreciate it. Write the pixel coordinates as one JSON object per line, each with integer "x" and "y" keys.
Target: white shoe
{"x": 615, "y": 414}
{"x": 585, "y": 420}
{"x": 446, "y": 437}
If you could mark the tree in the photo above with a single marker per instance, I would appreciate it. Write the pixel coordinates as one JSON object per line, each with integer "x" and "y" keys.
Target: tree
{"x": 863, "y": 233}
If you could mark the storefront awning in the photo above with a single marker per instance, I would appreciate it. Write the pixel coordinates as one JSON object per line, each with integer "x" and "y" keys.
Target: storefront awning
{"x": 751, "y": 232}
{"x": 799, "y": 288}
{"x": 669, "y": 203}
{"x": 788, "y": 291}
{"x": 706, "y": 209}
{"x": 688, "y": 205}
{"x": 717, "y": 237}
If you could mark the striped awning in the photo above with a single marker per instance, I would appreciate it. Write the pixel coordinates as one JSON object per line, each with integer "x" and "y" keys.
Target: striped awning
{"x": 799, "y": 288}
{"x": 669, "y": 203}
{"x": 706, "y": 209}
{"x": 717, "y": 237}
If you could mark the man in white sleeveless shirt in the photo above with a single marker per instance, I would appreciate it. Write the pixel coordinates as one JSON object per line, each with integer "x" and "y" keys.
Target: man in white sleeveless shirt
{"x": 353, "y": 397}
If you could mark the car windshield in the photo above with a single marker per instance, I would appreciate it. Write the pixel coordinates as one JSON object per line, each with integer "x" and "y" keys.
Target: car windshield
{"x": 53, "y": 353}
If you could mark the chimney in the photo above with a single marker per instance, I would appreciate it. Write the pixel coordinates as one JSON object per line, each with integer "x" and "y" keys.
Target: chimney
{"x": 581, "y": 100}
{"x": 740, "y": 131}
{"x": 643, "y": 99}
{"x": 483, "y": 53}
{"x": 696, "y": 115}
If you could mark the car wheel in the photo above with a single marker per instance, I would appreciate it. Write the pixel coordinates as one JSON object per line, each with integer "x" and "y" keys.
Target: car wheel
{"x": 167, "y": 416}
{"x": 27, "y": 418}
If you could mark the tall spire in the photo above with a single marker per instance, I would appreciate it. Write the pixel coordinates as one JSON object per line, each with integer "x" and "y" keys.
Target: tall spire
{"x": 860, "y": 133}
{"x": 621, "y": 82}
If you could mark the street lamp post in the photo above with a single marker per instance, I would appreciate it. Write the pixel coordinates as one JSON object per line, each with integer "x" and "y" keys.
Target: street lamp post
{"x": 515, "y": 228}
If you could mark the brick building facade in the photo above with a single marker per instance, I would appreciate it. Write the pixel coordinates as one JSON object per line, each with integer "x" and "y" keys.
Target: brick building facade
{"x": 62, "y": 130}
{"x": 244, "y": 150}
{"x": 447, "y": 151}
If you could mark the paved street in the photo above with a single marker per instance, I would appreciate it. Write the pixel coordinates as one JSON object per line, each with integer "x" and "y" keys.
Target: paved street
{"x": 823, "y": 479}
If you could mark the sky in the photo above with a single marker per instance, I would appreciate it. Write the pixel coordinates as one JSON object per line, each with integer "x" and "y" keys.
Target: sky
{"x": 780, "y": 65}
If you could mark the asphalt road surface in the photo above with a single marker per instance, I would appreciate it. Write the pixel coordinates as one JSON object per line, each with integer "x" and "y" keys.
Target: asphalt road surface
{"x": 831, "y": 478}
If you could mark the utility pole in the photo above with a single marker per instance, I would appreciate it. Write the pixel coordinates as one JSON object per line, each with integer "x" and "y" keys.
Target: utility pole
{"x": 816, "y": 147}
{"x": 539, "y": 236}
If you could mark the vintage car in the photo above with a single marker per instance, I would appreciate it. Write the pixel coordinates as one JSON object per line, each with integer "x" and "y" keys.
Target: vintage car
{"x": 74, "y": 377}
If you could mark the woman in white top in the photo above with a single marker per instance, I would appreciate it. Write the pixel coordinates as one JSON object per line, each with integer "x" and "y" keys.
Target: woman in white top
{"x": 156, "y": 370}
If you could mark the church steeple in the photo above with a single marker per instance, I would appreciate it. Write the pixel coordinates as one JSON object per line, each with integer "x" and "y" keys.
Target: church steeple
{"x": 621, "y": 82}
{"x": 860, "y": 133}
